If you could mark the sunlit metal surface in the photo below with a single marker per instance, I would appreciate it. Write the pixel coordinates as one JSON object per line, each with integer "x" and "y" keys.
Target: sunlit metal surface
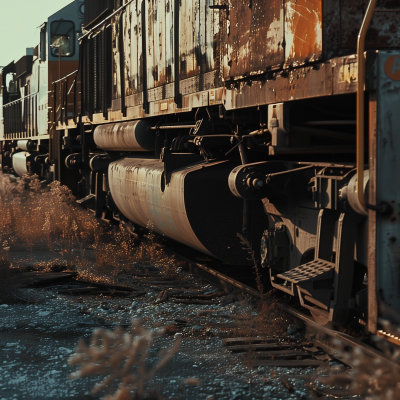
{"x": 389, "y": 337}
{"x": 19, "y": 163}
{"x": 195, "y": 208}
{"x": 125, "y": 136}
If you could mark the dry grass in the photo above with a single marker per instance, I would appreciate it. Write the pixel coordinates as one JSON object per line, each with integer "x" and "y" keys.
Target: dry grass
{"x": 121, "y": 356}
{"x": 248, "y": 246}
{"x": 370, "y": 380}
{"x": 270, "y": 319}
{"x": 49, "y": 218}
{"x": 150, "y": 253}
{"x": 268, "y": 322}
{"x": 35, "y": 218}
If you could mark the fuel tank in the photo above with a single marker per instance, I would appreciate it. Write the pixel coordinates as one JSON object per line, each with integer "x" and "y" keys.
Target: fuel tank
{"x": 125, "y": 136}
{"x": 20, "y": 162}
{"x": 196, "y": 208}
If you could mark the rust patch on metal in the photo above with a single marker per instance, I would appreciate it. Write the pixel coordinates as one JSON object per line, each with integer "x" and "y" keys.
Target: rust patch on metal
{"x": 115, "y": 60}
{"x": 383, "y": 31}
{"x": 342, "y": 22}
{"x": 132, "y": 49}
{"x": 199, "y": 38}
{"x": 253, "y": 37}
{"x": 260, "y": 35}
{"x": 159, "y": 52}
{"x": 303, "y": 31}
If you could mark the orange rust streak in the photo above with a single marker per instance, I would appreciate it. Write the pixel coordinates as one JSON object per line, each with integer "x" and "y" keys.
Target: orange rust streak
{"x": 305, "y": 42}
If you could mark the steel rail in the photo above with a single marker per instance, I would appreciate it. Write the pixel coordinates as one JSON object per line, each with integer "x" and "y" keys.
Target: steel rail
{"x": 323, "y": 333}
{"x": 329, "y": 340}
{"x": 218, "y": 278}
{"x": 210, "y": 275}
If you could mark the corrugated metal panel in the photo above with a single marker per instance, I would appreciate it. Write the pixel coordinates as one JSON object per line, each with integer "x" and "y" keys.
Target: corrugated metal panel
{"x": 199, "y": 38}
{"x": 236, "y": 40}
{"x": 116, "y": 59}
{"x": 188, "y": 38}
{"x": 213, "y": 37}
{"x": 159, "y": 42}
{"x": 133, "y": 48}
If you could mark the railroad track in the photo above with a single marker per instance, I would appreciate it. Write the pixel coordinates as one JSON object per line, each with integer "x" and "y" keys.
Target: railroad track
{"x": 331, "y": 341}
{"x": 366, "y": 366}
{"x": 316, "y": 347}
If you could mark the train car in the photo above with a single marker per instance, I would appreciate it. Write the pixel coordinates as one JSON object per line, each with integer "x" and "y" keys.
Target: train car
{"x": 271, "y": 120}
{"x": 26, "y": 84}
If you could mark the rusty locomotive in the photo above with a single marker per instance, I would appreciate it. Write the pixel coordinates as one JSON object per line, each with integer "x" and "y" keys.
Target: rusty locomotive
{"x": 276, "y": 120}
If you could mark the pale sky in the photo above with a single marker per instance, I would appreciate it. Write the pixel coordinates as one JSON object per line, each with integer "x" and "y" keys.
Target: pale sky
{"x": 19, "y": 22}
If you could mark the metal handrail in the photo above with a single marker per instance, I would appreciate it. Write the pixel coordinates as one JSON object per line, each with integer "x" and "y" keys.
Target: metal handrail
{"x": 105, "y": 19}
{"x": 360, "y": 101}
{"x": 72, "y": 85}
{"x": 20, "y": 100}
{"x": 20, "y": 118}
{"x": 66, "y": 76}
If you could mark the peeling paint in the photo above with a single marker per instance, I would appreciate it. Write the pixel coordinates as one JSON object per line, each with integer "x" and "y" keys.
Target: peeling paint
{"x": 303, "y": 31}
{"x": 239, "y": 40}
{"x": 265, "y": 34}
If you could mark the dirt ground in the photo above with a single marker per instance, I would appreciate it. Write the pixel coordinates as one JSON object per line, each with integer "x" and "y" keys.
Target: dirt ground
{"x": 40, "y": 332}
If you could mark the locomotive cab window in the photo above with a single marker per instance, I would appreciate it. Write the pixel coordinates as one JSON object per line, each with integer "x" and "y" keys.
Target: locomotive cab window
{"x": 62, "y": 38}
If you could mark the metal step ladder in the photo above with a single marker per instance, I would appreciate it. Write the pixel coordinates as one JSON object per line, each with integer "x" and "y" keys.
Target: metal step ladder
{"x": 324, "y": 285}
{"x": 313, "y": 281}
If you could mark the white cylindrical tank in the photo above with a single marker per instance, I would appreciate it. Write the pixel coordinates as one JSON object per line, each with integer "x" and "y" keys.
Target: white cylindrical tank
{"x": 125, "y": 136}
{"x": 20, "y": 162}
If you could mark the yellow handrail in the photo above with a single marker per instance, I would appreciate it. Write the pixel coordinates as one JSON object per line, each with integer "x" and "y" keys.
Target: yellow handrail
{"x": 360, "y": 101}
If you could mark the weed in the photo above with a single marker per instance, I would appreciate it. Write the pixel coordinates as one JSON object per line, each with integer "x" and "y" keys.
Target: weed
{"x": 122, "y": 356}
{"x": 248, "y": 246}
{"x": 150, "y": 252}
{"x": 33, "y": 218}
{"x": 270, "y": 318}
{"x": 372, "y": 379}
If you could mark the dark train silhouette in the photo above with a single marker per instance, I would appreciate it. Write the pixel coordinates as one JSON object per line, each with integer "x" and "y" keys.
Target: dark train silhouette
{"x": 277, "y": 120}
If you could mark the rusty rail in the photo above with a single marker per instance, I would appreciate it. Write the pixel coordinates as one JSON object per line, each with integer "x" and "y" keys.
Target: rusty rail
{"x": 331, "y": 341}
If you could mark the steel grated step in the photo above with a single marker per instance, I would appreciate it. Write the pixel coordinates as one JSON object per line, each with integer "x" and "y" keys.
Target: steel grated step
{"x": 313, "y": 270}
